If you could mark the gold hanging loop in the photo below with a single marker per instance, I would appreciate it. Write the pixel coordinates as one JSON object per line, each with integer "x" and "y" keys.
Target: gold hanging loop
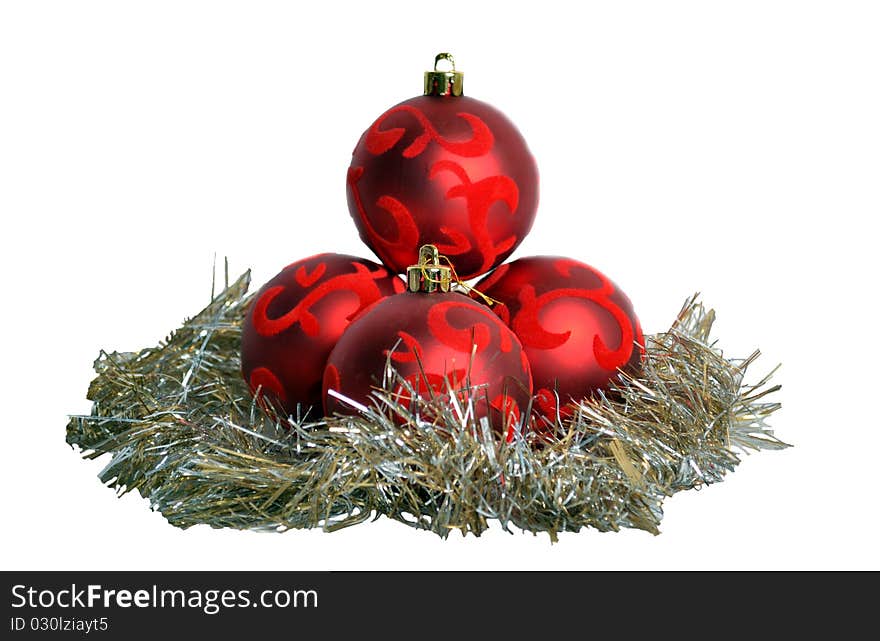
{"x": 444, "y": 83}
{"x": 431, "y": 275}
{"x": 428, "y": 275}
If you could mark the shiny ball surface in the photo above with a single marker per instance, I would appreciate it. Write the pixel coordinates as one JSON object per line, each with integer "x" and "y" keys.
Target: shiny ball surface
{"x": 431, "y": 339}
{"x": 295, "y": 320}
{"x": 577, "y": 328}
{"x": 451, "y": 171}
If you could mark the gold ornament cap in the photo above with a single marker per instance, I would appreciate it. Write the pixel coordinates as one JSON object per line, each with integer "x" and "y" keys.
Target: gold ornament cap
{"x": 429, "y": 275}
{"x": 444, "y": 83}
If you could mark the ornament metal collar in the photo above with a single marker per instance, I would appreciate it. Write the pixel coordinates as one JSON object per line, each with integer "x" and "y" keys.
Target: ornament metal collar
{"x": 444, "y": 83}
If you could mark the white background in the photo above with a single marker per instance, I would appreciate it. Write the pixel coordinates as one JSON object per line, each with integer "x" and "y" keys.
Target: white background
{"x": 728, "y": 148}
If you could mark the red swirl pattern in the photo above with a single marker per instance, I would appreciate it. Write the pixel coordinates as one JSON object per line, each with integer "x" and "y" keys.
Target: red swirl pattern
{"x": 296, "y": 319}
{"x": 305, "y": 278}
{"x": 404, "y": 234}
{"x": 263, "y": 379}
{"x": 431, "y": 385}
{"x": 479, "y": 196}
{"x": 362, "y": 283}
{"x": 510, "y": 412}
{"x": 532, "y": 334}
{"x": 474, "y": 333}
{"x": 411, "y": 352}
{"x": 454, "y": 173}
{"x": 527, "y": 326}
{"x": 379, "y": 141}
{"x": 439, "y": 344}
{"x": 577, "y": 328}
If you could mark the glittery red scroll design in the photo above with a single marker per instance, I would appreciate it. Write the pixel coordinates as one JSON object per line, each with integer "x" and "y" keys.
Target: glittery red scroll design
{"x": 406, "y": 233}
{"x": 412, "y": 352}
{"x": 479, "y": 196}
{"x": 434, "y": 385}
{"x": 362, "y": 283}
{"x": 379, "y": 140}
{"x": 547, "y": 403}
{"x": 304, "y": 278}
{"x": 474, "y": 334}
{"x": 509, "y": 409}
{"x": 263, "y": 378}
{"x": 478, "y": 335}
{"x": 422, "y": 382}
{"x": 527, "y": 326}
{"x": 462, "y": 339}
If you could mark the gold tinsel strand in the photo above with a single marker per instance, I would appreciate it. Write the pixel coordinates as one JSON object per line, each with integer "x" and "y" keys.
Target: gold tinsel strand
{"x": 181, "y": 428}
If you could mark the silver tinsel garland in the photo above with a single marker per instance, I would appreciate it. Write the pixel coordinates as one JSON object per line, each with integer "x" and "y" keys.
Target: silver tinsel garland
{"x": 181, "y": 428}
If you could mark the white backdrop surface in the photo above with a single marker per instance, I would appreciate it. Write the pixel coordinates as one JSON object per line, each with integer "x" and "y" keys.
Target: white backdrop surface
{"x": 727, "y": 148}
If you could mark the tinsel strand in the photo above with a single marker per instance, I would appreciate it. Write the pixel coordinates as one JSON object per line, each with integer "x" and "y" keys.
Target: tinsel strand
{"x": 181, "y": 428}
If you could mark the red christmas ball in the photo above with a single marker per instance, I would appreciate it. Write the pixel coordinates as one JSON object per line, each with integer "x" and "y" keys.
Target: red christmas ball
{"x": 577, "y": 328}
{"x": 297, "y": 317}
{"x": 431, "y": 338}
{"x": 443, "y": 169}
